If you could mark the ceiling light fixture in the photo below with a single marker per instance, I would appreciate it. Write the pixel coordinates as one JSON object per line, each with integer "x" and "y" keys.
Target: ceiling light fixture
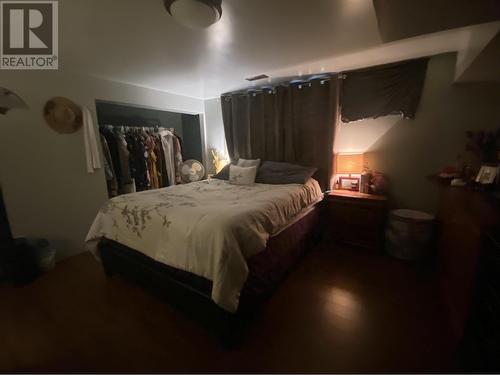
{"x": 196, "y": 14}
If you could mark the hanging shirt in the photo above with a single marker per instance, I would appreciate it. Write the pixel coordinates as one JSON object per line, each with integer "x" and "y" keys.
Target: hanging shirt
{"x": 113, "y": 151}
{"x": 168, "y": 150}
{"x": 177, "y": 159}
{"x": 160, "y": 163}
{"x": 127, "y": 183}
{"x": 90, "y": 141}
{"x": 108, "y": 169}
{"x": 138, "y": 162}
{"x": 152, "y": 158}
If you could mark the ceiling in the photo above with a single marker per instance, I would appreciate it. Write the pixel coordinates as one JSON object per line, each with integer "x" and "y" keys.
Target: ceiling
{"x": 137, "y": 42}
{"x": 400, "y": 19}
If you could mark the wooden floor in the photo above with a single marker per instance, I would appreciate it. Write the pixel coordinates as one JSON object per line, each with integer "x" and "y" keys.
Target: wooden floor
{"x": 340, "y": 309}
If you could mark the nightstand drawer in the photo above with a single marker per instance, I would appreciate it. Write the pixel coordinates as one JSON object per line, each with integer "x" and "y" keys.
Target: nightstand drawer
{"x": 356, "y": 219}
{"x": 366, "y": 213}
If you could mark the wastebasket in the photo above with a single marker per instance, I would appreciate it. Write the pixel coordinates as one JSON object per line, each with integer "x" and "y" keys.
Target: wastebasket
{"x": 45, "y": 255}
{"x": 409, "y": 234}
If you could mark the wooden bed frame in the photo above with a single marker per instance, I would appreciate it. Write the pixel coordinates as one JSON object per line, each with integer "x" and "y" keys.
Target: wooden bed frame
{"x": 191, "y": 294}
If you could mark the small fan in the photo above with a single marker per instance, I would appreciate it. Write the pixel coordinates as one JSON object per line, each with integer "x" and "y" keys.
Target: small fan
{"x": 192, "y": 170}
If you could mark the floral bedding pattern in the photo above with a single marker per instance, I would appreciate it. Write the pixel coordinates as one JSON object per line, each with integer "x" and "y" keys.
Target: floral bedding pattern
{"x": 208, "y": 228}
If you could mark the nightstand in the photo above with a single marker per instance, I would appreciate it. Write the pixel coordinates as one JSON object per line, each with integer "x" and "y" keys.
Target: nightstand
{"x": 356, "y": 218}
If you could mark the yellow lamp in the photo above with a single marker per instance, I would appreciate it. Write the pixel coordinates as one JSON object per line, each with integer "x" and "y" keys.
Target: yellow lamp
{"x": 219, "y": 160}
{"x": 349, "y": 163}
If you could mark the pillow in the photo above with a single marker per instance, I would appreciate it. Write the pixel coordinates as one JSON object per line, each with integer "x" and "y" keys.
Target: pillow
{"x": 248, "y": 162}
{"x": 223, "y": 173}
{"x": 273, "y": 172}
{"x": 242, "y": 175}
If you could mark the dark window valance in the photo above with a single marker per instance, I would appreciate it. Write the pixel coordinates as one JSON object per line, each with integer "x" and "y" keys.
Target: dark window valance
{"x": 383, "y": 90}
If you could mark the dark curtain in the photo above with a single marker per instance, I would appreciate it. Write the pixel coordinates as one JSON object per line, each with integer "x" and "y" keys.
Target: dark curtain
{"x": 292, "y": 123}
{"x": 383, "y": 90}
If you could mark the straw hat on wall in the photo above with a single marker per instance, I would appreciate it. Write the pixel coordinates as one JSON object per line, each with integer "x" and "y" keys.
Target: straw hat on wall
{"x": 63, "y": 115}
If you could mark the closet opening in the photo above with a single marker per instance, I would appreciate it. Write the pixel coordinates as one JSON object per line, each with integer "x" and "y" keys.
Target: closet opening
{"x": 144, "y": 148}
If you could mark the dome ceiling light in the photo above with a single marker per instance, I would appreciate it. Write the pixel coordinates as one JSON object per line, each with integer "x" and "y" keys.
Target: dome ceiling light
{"x": 196, "y": 14}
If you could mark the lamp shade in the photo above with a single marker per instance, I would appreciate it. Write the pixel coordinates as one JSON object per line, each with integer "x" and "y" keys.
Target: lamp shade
{"x": 349, "y": 163}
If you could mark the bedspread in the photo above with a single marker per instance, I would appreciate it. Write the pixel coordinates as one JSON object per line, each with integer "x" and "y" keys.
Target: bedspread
{"x": 208, "y": 228}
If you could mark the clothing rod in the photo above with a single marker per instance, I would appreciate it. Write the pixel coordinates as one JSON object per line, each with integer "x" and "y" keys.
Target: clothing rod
{"x": 134, "y": 126}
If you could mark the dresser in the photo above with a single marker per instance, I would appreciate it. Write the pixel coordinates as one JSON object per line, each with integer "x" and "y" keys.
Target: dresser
{"x": 356, "y": 219}
{"x": 480, "y": 346}
{"x": 5, "y": 235}
{"x": 468, "y": 269}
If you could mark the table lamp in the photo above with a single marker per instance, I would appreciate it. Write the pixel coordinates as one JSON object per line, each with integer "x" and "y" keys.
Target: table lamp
{"x": 349, "y": 164}
{"x": 219, "y": 160}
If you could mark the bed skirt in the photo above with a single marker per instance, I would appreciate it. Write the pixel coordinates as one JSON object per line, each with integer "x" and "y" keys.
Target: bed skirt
{"x": 191, "y": 293}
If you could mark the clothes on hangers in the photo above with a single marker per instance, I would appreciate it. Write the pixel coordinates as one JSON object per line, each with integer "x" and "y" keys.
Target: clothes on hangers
{"x": 137, "y": 160}
{"x": 167, "y": 141}
{"x": 152, "y": 160}
{"x": 113, "y": 151}
{"x": 177, "y": 159}
{"x": 141, "y": 158}
{"x": 108, "y": 169}
{"x": 160, "y": 163}
{"x": 90, "y": 141}
{"x": 127, "y": 182}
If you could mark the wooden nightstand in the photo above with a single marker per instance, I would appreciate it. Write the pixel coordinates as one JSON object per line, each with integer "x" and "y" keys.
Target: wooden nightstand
{"x": 356, "y": 218}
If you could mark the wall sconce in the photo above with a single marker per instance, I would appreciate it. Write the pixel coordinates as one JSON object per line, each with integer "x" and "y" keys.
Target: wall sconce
{"x": 10, "y": 100}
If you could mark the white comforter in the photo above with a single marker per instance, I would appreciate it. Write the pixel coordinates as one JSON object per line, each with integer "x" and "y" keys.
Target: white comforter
{"x": 208, "y": 228}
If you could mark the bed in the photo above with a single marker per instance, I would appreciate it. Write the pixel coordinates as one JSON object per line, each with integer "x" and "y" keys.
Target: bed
{"x": 218, "y": 240}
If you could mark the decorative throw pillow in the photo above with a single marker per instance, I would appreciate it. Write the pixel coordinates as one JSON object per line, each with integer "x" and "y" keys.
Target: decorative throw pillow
{"x": 248, "y": 162}
{"x": 224, "y": 172}
{"x": 273, "y": 172}
{"x": 242, "y": 175}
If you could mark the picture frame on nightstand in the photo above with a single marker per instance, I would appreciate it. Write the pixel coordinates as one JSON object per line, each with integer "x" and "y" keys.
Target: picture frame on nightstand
{"x": 487, "y": 174}
{"x": 349, "y": 183}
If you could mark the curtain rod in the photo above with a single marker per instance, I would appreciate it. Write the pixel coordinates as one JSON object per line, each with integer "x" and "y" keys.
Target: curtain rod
{"x": 133, "y": 126}
{"x": 324, "y": 77}
{"x": 298, "y": 82}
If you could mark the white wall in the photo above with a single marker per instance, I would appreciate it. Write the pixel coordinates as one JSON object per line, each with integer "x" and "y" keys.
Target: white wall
{"x": 410, "y": 150}
{"x": 214, "y": 128}
{"x": 359, "y": 136}
{"x": 45, "y": 185}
